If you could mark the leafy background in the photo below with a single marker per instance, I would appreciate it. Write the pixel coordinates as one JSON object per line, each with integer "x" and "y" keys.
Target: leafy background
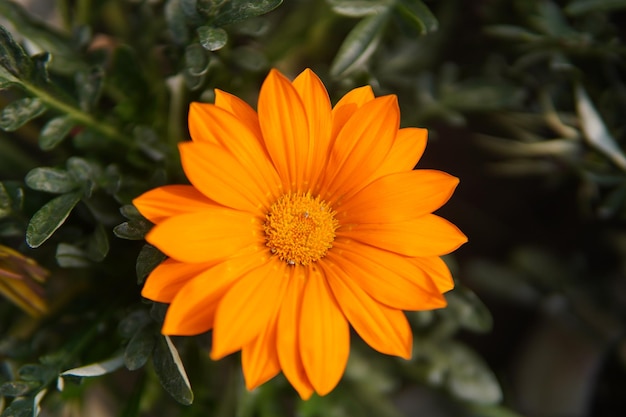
{"x": 524, "y": 100}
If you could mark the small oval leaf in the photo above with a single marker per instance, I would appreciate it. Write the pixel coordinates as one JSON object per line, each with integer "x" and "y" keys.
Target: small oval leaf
{"x": 19, "y": 112}
{"x": 170, "y": 371}
{"x": 49, "y": 218}
{"x": 51, "y": 180}
{"x": 139, "y": 349}
{"x": 54, "y": 132}
{"x": 212, "y": 38}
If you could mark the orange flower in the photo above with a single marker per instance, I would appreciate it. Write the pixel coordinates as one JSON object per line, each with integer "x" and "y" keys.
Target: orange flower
{"x": 302, "y": 220}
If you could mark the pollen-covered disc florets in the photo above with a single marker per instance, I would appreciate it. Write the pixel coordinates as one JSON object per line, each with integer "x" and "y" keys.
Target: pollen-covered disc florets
{"x": 300, "y": 229}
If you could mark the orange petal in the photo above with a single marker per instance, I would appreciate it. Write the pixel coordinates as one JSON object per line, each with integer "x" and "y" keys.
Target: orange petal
{"x": 324, "y": 334}
{"x": 437, "y": 270}
{"x": 407, "y": 149}
{"x": 239, "y": 108}
{"x": 248, "y": 307}
{"x": 361, "y": 146}
{"x": 429, "y": 235}
{"x": 160, "y": 203}
{"x": 383, "y": 328}
{"x": 259, "y": 359}
{"x": 192, "y": 311}
{"x": 169, "y": 277}
{"x": 387, "y": 277}
{"x": 287, "y": 343}
{"x": 398, "y": 197}
{"x": 221, "y": 176}
{"x": 285, "y": 129}
{"x": 206, "y": 236}
{"x": 230, "y": 132}
{"x": 348, "y": 105}
{"x": 318, "y": 110}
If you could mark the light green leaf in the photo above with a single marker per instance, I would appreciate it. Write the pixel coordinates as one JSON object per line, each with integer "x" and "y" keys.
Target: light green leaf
{"x": 55, "y": 131}
{"x": 132, "y": 230}
{"x": 469, "y": 310}
{"x": 238, "y": 10}
{"x": 212, "y": 38}
{"x": 19, "y": 112}
{"x": 469, "y": 378}
{"x": 595, "y": 131}
{"x": 50, "y": 180}
{"x": 139, "y": 348}
{"x": 581, "y": 7}
{"x": 49, "y": 218}
{"x": 170, "y": 371}
{"x": 511, "y": 32}
{"x": 98, "y": 368}
{"x": 20, "y": 407}
{"x": 359, "y": 45}
{"x": 196, "y": 59}
{"x": 359, "y": 8}
{"x": 18, "y": 388}
{"x": 419, "y": 15}
{"x": 15, "y": 193}
{"x": 71, "y": 256}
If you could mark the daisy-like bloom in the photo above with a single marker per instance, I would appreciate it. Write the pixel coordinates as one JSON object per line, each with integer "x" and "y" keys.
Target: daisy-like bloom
{"x": 301, "y": 220}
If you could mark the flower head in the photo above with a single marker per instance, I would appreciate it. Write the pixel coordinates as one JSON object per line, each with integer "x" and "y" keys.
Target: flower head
{"x": 301, "y": 220}
{"x": 20, "y": 279}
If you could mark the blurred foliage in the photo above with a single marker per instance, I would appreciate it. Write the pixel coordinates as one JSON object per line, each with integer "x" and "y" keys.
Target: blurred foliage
{"x": 524, "y": 100}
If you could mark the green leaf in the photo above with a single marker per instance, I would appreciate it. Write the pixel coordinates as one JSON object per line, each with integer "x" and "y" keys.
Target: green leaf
{"x": 36, "y": 372}
{"x": 419, "y": 15}
{"x": 55, "y": 131}
{"x": 49, "y": 218}
{"x": 238, "y": 10}
{"x": 176, "y": 23}
{"x": 18, "y": 388}
{"x": 97, "y": 369}
{"x": 359, "y": 45}
{"x": 133, "y": 322}
{"x": 50, "y": 180}
{"x": 212, "y": 38}
{"x": 19, "y": 112}
{"x": 15, "y": 194}
{"x": 98, "y": 244}
{"x": 359, "y": 8}
{"x": 581, "y": 7}
{"x": 196, "y": 59}
{"x": 511, "y": 32}
{"x": 19, "y": 408}
{"x": 13, "y": 58}
{"x": 469, "y": 311}
{"x": 469, "y": 377}
{"x": 139, "y": 348}
{"x": 89, "y": 85}
{"x": 595, "y": 131}
{"x": 170, "y": 371}
{"x": 132, "y": 230}
{"x": 71, "y": 256}
{"x": 148, "y": 259}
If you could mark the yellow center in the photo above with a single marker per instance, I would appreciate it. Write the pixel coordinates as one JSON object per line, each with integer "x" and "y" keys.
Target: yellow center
{"x": 300, "y": 229}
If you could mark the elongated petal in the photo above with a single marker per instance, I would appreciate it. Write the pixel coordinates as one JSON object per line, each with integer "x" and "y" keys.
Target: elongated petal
{"x": 387, "y": 277}
{"x": 259, "y": 359}
{"x": 206, "y": 236}
{"x": 160, "y": 203}
{"x": 239, "y": 108}
{"x": 192, "y": 311}
{"x": 248, "y": 307}
{"x": 324, "y": 334}
{"x": 429, "y": 235}
{"x": 233, "y": 134}
{"x": 348, "y": 105}
{"x": 407, "y": 149}
{"x": 318, "y": 111}
{"x": 398, "y": 197}
{"x": 220, "y": 176}
{"x": 383, "y": 328}
{"x": 361, "y": 146}
{"x": 288, "y": 343}
{"x": 285, "y": 129}
{"x": 437, "y": 270}
{"x": 169, "y": 277}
